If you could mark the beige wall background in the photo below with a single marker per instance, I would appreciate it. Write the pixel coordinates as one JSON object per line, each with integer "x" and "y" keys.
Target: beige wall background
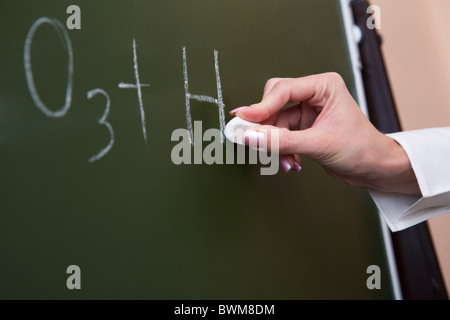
{"x": 416, "y": 48}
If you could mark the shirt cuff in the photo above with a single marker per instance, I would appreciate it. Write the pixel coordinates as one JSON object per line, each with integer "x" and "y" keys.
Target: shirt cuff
{"x": 402, "y": 211}
{"x": 429, "y": 154}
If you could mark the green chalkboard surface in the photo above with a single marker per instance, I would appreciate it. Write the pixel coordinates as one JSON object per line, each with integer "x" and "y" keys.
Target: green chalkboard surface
{"x": 87, "y": 178}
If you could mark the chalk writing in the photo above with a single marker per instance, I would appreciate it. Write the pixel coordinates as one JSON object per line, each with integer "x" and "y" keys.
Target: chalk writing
{"x": 189, "y": 96}
{"x": 137, "y": 86}
{"x": 62, "y": 111}
{"x": 64, "y": 37}
{"x": 103, "y": 121}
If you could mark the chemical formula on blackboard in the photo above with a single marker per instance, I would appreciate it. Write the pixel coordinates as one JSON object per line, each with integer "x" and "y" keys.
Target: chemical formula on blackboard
{"x": 211, "y": 155}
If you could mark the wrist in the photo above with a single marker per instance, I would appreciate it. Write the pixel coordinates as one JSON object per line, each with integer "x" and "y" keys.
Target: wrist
{"x": 397, "y": 174}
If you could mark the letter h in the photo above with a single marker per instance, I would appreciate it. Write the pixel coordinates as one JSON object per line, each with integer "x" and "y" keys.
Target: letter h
{"x": 218, "y": 101}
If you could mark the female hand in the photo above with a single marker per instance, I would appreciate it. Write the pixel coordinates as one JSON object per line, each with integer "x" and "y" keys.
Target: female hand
{"x": 327, "y": 125}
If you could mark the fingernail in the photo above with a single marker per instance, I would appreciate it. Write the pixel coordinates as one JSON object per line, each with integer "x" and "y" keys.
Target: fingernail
{"x": 232, "y": 112}
{"x": 285, "y": 164}
{"x": 253, "y": 138}
{"x": 297, "y": 167}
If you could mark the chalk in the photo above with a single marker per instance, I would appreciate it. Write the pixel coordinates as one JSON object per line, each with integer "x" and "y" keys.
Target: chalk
{"x": 235, "y": 129}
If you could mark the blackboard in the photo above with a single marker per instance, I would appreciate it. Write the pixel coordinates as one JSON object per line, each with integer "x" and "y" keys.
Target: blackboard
{"x": 87, "y": 177}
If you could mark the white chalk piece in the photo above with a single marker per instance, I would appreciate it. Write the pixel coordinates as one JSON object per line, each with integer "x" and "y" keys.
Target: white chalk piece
{"x": 235, "y": 129}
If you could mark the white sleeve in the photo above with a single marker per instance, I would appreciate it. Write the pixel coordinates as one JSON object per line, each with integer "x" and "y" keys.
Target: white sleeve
{"x": 429, "y": 153}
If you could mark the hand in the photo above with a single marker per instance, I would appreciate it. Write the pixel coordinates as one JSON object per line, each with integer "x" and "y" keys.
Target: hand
{"x": 327, "y": 125}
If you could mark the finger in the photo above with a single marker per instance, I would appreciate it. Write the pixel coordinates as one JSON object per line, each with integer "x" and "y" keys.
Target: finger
{"x": 290, "y": 162}
{"x": 308, "y": 116}
{"x": 270, "y": 83}
{"x": 316, "y": 89}
{"x": 287, "y": 162}
{"x": 267, "y": 88}
{"x": 297, "y": 163}
{"x": 289, "y": 118}
{"x": 298, "y": 117}
{"x": 282, "y": 140}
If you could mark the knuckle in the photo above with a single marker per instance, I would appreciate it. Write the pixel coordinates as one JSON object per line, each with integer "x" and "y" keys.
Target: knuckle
{"x": 279, "y": 83}
{"x": 332, "y": 82}
{"x": 270, "y": 83}
{"x": 334, "y": 77}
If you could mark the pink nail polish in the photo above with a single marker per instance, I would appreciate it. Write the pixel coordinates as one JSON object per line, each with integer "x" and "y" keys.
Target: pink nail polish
{"x": 297, "y": 167}
{"x": 232, "y": 112}
{"x": 285, "y": 164}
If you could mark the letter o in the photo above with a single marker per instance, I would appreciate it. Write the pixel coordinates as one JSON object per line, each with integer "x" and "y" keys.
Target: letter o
{"x": 64, "y": 37}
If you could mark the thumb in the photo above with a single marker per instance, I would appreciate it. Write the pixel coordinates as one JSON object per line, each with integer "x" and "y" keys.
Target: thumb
{"x": 283, "y": 140}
